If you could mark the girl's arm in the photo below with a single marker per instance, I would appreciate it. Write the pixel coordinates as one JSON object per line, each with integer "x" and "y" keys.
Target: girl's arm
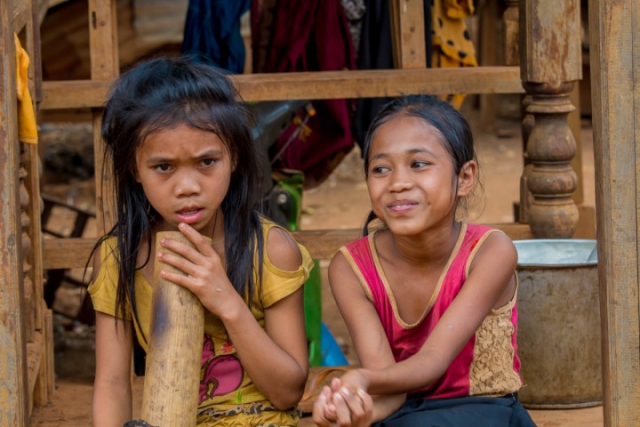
{"x": 366, "y": 331}
{"x": 275, "y": 358}
{"x": 112, "y": 386}
{"x": 491, "y": 280}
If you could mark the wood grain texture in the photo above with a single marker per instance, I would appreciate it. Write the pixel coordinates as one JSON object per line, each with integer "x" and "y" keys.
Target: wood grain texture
{"x": 550, "y": 41}
{"x": 13, "y": 372}
{"x": 318, "y": 85}
{"x": 103, "y": 41}
{"x": 172, "y": 377}
{"x": 407, "y": 33}
{"x": 614, "y": 31}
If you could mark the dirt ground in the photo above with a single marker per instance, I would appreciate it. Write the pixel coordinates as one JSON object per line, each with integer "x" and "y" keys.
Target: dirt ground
{"x": 340, "y": 202}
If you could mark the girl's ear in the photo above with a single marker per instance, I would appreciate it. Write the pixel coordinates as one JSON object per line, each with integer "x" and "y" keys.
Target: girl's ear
{"x": 467, "y": 177}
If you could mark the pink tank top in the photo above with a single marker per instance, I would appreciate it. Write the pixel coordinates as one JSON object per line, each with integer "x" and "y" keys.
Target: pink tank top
{"x": 488, "y": 364}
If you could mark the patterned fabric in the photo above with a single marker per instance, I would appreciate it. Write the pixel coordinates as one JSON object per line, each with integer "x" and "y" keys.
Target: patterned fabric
{"x": 354, "y": 11}
{"x": 224, "y": 384}
{"x": 488, "y": 364}
{"x": 451, "y": 42}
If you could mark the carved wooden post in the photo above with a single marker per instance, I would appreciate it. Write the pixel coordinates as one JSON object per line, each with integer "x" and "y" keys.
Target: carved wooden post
{"x": 550, "y": 64}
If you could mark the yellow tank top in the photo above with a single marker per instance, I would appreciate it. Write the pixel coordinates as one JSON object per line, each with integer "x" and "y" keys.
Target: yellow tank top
{"x": 228, "y": 397}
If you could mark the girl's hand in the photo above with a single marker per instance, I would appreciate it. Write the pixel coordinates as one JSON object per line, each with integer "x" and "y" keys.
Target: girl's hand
{"x": 205, "y": 273}
{"x": 355, "y": 379}
{"x": 342, "y": 406}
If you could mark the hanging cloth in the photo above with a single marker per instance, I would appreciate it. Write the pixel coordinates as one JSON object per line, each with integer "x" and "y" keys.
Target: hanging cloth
{"x": 212, "y": 33}
{"x": 27, "y": 131}
{"x": 452, "y": 46}
{"x": 375, "y": 52}
{"x": 310, "y": 35}
{"x": 447, "y": 42}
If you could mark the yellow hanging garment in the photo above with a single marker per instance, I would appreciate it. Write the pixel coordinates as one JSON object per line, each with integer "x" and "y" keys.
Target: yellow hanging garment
{"x": 27, "y": 131}
{"x": 452, "y": 46}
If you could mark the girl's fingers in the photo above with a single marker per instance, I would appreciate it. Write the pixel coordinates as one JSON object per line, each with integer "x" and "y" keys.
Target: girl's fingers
{"x": 200, "y": 242}
{"x": 367, "y": 401}
{"x": 360, "y": 406}
{"x": 321, "y": 416}
{"x": 343, "y": 412}
{"x": 181, "y": 263}
{"x": 178, "y": 279}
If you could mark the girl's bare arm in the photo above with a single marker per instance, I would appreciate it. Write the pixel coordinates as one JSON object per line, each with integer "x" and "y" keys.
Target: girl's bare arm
{"x": 112, "y": 386}
{"x": 365, "y": 329}
{"x": 491, "y": 277}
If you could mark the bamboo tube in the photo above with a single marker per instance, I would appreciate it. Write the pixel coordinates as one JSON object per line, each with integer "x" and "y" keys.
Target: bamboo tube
{"x": 172, "y": 377}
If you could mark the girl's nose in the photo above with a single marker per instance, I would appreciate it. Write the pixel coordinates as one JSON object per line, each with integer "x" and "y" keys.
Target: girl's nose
{"x": 187, "y": 186}
{"x": 400, "y": 181}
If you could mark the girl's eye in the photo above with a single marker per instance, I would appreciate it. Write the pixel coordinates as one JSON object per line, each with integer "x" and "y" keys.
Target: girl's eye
{"x": 162, "y": 168}
{"x": 379, "y": 169}
{"x": 209, "y": 162}
{"x": 419, "y": 164}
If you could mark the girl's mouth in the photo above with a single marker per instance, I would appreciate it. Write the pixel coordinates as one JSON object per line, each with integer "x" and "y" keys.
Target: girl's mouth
{"x": 190, "y": 216}
{"x": 402, "y": 206}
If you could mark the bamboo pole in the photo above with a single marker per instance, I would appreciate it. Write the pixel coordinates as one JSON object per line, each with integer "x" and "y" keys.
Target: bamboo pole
{"x": 172, "y": 377}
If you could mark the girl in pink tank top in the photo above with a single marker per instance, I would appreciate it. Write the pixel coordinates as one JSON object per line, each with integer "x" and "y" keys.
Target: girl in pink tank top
{"x": 430, "y": 301}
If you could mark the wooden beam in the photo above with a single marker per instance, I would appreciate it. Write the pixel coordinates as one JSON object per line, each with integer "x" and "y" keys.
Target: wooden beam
{"x": 13, "y": 374}
{"x": 614, "y": 30}
{"x": 322, "y": 244}
{"x": 319, "y": 85}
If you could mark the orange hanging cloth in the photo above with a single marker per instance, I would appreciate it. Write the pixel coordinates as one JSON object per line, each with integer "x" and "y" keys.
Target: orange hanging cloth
{"x": 27, "y": 131}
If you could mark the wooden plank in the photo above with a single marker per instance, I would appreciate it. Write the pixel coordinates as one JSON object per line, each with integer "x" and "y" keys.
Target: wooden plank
{"x": 319, "y": 85}
{"x": 322, "y": 244}
{"x": 35, "y": 353}
{"x": 103, "y": 42}
{"x": 33, "y": 167}
{"x": 407, "y": 33}
{"x": 21, "y": 14}
{"x": 45, "y": 383}
{"x": 13, "y": 376}
{"x": 614, "y": 31}
{"x": 489, "y": 20}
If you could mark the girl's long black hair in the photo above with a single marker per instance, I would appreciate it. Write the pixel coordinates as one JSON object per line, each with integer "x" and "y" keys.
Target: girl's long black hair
{"x": 162, "y": 94}
{"x": 457, "y": 136}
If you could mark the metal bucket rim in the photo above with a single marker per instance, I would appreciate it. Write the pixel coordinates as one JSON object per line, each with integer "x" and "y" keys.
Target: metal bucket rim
{"x": 535, "y": 264}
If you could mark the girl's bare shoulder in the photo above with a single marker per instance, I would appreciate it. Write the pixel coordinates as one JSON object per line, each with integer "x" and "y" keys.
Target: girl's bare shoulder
{"x": 283, "y": 250}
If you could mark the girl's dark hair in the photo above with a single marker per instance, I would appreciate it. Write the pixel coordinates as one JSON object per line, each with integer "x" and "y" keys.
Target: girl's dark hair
{"x": 457, "y": 137}
{"x": 161, "y": 94}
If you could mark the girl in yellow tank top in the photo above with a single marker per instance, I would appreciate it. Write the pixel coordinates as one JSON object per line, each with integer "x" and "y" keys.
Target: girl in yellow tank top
{"x": 183, "y": 159}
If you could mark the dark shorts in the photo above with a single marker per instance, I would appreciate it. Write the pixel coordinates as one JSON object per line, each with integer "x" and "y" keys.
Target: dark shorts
{"x": 460, "y": 412}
